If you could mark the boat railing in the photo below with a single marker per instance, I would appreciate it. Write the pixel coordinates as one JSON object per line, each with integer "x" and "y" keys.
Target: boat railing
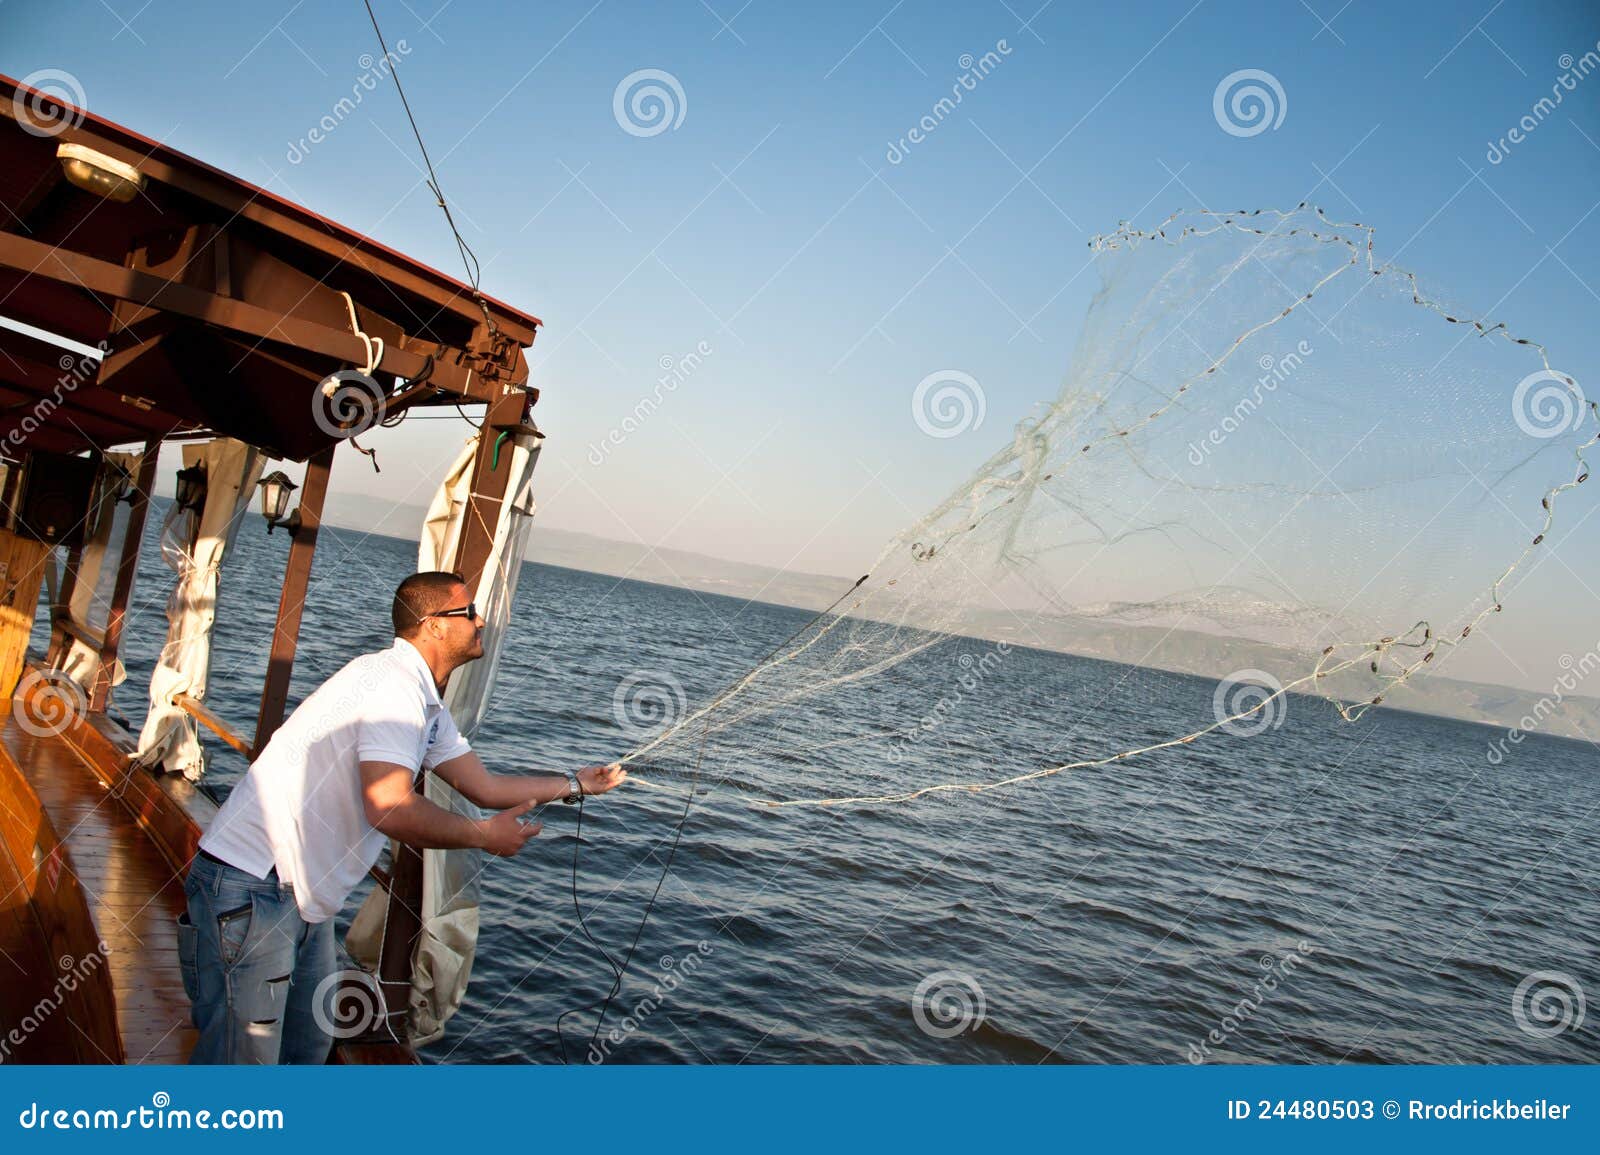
{"x": 96, "y": 639}
{"x": 203, "y": 714}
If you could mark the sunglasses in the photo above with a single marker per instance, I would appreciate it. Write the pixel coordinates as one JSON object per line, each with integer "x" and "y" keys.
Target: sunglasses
{"x": 468, "y": 611}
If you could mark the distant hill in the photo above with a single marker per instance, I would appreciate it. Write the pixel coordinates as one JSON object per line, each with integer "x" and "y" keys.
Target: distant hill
{"x": 584, "y": 551}
{"x": 676, "y": 567}
{"x": 1210, "y": 656}
{"x": 1181, "y": 651}
{"x": 373, "y": 515}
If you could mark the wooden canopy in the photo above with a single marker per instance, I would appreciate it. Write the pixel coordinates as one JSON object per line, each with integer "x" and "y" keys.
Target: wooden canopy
{"x": 220, "y": 306}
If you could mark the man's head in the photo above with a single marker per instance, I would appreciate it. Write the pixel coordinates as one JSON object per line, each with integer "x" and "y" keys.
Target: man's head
{"x": 429, "y": 611}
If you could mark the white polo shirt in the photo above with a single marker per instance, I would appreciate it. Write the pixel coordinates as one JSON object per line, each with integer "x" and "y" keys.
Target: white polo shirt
{"x": 300, "y": 807}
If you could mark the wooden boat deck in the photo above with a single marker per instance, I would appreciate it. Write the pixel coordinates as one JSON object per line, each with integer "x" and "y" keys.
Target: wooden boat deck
{"x": 133, "y": 891}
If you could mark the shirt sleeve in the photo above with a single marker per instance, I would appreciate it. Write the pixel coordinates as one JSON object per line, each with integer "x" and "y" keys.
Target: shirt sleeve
{"x": 445, "y": 742}
{"x": 389, "y": 732}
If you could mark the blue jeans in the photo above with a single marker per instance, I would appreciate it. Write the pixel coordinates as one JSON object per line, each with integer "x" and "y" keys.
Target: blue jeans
{"x": 252, "y": 968}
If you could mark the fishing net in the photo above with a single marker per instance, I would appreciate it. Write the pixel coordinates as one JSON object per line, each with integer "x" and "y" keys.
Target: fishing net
{"x": 1275, "y": 463}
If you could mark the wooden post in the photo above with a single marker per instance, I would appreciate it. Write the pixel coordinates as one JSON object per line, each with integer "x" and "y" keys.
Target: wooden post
{"x": 488, "y": 486}
{"x": 403, "y": 925}
{"x": 61, "y": 605}
{"x": 127, "y": 567}
{"x": 296, "y": 578}
{"x": 22, "y": 562}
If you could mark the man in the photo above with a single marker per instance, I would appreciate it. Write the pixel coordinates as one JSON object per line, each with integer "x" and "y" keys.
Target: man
{"x": 303, "y": 828}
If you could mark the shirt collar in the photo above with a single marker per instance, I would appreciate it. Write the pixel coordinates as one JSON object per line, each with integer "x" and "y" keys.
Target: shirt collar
{"x": 411, "y": 658}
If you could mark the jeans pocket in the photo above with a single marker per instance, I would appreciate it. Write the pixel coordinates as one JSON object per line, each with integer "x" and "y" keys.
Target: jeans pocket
{"x": 233, "y": 931}
{"x": 188, "y": 956}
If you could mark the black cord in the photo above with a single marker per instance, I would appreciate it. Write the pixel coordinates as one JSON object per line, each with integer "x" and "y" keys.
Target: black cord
{"x": 583, "y": 924}
{"x": 413, "y": 415}
{"x": 618, "y": 973}
{"x": 469, "y": 259}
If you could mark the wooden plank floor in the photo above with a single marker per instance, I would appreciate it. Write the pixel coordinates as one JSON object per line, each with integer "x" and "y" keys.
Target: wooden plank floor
{"x": 134, "y": 894}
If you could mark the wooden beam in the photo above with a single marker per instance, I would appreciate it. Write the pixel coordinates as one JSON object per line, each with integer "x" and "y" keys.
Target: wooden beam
{"x": 127, "y": 567}
{"x": 24, "y": 209}
{"x": 296, "y": 579}
{"x": 34, "y": 259}
{"x": 239, "y": 200}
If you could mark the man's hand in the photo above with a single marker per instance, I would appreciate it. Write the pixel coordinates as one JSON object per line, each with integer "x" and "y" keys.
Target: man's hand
{"x": 503, "y": 835}
{"x": 599, "y": 779}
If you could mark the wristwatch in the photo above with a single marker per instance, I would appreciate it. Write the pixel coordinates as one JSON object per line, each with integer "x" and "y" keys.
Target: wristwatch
{"x": 576, "y": 791}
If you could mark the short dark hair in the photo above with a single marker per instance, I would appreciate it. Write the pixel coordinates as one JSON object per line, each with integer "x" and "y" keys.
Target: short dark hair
{"x": 418, "y": 596}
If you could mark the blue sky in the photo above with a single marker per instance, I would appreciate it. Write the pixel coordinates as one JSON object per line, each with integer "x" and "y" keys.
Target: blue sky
{"x": 826, "y": 280}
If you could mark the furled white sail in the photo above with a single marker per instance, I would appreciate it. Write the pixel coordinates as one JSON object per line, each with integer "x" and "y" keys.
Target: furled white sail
{"x": 193, "y": 544}
{"x": 90, "y": 604}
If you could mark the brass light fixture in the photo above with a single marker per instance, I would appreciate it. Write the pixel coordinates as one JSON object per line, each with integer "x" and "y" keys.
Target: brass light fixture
{"x": 97, "y": 173}
{"x": 119, "y": 483}
{"x": 191, "y": 487}
{"x": 276, "y": 491}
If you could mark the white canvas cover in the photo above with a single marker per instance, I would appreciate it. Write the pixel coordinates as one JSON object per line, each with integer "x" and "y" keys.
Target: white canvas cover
{"x": 90, "y": 605}
{"x": 170, "y": 737}
{"x": 443, "y": 961}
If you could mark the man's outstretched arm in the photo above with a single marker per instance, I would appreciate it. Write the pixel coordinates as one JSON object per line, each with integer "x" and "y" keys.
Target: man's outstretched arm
{"x": 393, "y": 807}
{"x": 476, "y": 783}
